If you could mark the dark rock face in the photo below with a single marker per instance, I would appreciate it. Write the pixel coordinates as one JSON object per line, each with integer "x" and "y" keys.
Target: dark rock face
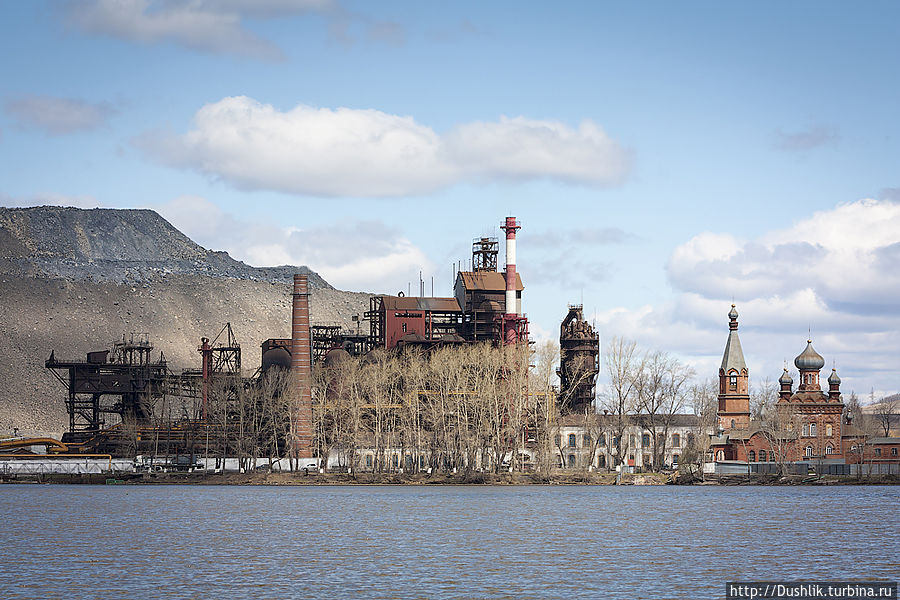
{"x": 121, "y": 246}
{"x": 74, "y": 281}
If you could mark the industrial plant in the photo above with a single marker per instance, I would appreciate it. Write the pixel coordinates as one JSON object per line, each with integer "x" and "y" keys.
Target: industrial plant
{"x": 126, "y": 402}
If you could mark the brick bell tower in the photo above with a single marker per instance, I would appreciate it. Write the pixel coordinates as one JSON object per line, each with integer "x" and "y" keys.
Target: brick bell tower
{"x": 734, "y": 381}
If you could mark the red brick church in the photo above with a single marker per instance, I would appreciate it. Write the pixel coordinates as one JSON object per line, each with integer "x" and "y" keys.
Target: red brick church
{"x": 803, "y": 425}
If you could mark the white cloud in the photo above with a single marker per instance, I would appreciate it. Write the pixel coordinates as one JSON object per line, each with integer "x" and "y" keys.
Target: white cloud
{"x": 365, "y": 256}
{"x": 849, "y": 257}
{"x": 834, "y": 275}
{"x": 59, "y": 116}
{"x": 207, "y": 25}
{"x": 525, "y": 148}
{"x": 369, "y": 153}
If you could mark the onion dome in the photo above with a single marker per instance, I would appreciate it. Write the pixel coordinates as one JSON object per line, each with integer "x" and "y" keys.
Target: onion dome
{"x": 833, "y": 379}
{"x": 785, "y": 379}
{"x": 809, "y": 359}
{"x": 733, "y": 313}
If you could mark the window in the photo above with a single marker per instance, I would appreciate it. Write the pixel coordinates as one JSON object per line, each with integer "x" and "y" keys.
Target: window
{"x": 603, "y": 440}
{"x": 674, "y": 460}
{"x": 571, "y": 461}
{"x": 404, "y": 328}
{"x": 557, "y": 440}
{"x": 586, "y": 441}
{"x": 808, "y": 452}
{"x": 732, "y": 423}
{"x": 676, "y": 440}
{"x": 645, "y": 440}
{"x": 828, "y": 430}
{"x": 720, "y": 455}
{"x": 762, "y": 456}
{"x": 369, "y": 460}
{"x": 631, "y": 441}
{"x": 894, "y": 451}
{"x": 616, "y": 441}
{"x": 690, "y": 439}
{"x": 877, "y": 451}
{"x": 751, "y": 456}
{"x": 812, "y": 430}
{"x": 805, "y": 430}
{"x": 601, "y": 461}
{"x": 829, "y": 449}
{"x": 571, "y": 440}
{"x": 732, "y": 380}
{"x": 395, "y": 461}
{"x": 660, "y": 440}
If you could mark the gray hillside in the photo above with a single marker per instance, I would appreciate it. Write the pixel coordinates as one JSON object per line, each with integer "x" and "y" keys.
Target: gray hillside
{"x": 123, "y": 246}
{"x": 73, "y": 281}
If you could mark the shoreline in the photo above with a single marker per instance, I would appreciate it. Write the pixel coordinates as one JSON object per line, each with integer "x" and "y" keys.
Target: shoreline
{"x": 470, "y": 479}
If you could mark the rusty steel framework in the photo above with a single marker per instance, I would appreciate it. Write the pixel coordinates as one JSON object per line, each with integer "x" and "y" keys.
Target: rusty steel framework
{"x": 579, "y": 362}
{"x": 484, "y": 254}
{"x": 141, "y": 393}
{"x": 126, "y": 384}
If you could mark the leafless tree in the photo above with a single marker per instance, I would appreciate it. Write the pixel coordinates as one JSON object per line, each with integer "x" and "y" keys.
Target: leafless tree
{"x": 622, "y": 365}
{"x": 885, "y": 412}
{"x": 762, "y": 397}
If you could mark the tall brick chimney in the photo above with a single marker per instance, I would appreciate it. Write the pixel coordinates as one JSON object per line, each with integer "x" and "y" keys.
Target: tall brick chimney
{"x": 301, "y": 371}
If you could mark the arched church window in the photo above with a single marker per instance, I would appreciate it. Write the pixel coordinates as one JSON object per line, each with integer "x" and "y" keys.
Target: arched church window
{"x": 645, "y": 440}
{"x": 732, "y": 423}
{"x": 762, "y": 456}
{"x": 812, "y": 429}
{"x": 808, "y": 452}
{"x": 751, "y": 456}
{"x": 829, "y": 449}
{"x": 732, "y": 380}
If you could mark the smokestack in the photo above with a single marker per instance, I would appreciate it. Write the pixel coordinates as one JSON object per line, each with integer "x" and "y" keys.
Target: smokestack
{"x": 301, "y": 370}
{"x": 510, "y": 228}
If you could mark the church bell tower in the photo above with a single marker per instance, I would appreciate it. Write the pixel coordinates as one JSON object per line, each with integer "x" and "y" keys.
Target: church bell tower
{"x": 734, "y": 381}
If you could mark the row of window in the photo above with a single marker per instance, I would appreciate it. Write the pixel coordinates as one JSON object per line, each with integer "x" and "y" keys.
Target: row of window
{"x": 809, "y": 430}
{"x": 808, "y": 451}
{"x": 409, "y": 461}
{"x": 586, "y": 440}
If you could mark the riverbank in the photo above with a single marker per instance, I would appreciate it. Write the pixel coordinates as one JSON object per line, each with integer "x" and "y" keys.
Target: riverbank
{"x": 473, "y": 478}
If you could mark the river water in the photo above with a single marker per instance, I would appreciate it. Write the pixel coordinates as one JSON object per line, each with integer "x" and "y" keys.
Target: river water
{"x": 437, "y": 542}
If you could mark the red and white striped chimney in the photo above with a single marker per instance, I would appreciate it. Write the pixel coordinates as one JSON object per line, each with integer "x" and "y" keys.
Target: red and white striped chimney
{"x": 510, "y": 228}
{"x": 301, "y": 370}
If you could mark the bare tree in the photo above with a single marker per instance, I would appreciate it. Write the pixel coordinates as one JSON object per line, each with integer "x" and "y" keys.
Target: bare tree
{"x": 622, "y": 366}
{"x": 885, "y": 411}
{"x": 544, "y": 411}
{"x": 762, "y": 397}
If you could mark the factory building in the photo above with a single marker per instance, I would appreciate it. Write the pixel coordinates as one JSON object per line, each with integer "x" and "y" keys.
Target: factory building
{"x": 486, "y": 305}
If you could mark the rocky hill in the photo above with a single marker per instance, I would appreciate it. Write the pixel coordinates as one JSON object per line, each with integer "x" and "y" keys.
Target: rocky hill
{"x": 74, "y": 281}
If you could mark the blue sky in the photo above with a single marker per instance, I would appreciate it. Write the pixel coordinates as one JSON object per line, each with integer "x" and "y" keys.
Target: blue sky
{"x": 663, "y": 158}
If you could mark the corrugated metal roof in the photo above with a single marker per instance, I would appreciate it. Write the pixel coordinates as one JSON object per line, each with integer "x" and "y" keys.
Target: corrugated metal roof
{"x": 420, "y": 303}
{"x": 491, "y": 281}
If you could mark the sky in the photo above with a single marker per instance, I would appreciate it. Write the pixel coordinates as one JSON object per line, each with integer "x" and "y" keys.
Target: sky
{"x": 664, "y": 159}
